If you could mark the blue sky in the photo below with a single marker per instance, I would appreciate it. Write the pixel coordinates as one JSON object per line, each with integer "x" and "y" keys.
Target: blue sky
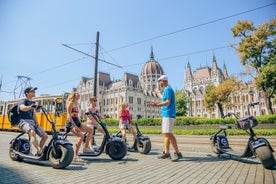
{"x": 32, "y": 33}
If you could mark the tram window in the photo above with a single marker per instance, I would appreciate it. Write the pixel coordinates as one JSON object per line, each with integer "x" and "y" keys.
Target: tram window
{"x": 1, "y": 109}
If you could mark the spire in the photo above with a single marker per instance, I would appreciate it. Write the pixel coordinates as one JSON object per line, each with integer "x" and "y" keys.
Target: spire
{"x": 151, "y": 54}
{"x": 214, "y": 65}
{"x": 188, "y": 71}
{"x": 225, "y": 73}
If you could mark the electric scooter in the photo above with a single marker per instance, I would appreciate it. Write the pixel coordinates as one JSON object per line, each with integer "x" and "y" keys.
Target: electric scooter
{"x": 142, "y": 143}
{"x": 256, "y": 146}
{"x": 113, "y": 146}
{"x": 58, "y": 151}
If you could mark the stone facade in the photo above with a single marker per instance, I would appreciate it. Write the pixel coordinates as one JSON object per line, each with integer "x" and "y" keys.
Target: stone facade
{"x": 136, "y": 90}
{"x": 195, "y": 84}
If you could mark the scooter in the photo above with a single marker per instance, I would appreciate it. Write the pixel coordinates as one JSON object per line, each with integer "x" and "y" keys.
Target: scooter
{"x": 142, "y": 143}
{"x": 113, "y": 146}
{"x": 58, "y": 151}
{"x": 256, "y": 146}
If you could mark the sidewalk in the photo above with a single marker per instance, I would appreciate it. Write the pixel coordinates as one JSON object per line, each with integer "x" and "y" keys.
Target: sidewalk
{"x": 199, "y": 165}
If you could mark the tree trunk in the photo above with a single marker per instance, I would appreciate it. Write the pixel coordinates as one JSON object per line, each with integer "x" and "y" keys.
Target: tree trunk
{"x": 269, "y": 105}
{"x": 220, "y": 109}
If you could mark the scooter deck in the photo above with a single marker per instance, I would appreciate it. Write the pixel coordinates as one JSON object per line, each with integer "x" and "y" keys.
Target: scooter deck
{"x": 230, "y": 151}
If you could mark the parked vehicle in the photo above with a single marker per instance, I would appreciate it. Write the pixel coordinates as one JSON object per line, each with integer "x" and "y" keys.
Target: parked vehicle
{"x": 113, "y": 146}
{"x": 142, "y": 143}
{"x": 58, "y": 151}
{"x": 256, "y": 146}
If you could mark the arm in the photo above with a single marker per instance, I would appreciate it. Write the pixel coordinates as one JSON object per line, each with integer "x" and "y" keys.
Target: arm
{"x": 167, "y": 102}
{"x": 159, "y": 93}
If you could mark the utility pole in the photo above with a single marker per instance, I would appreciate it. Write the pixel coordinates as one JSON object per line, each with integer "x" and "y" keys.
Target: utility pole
{"x": 96, "y": 65}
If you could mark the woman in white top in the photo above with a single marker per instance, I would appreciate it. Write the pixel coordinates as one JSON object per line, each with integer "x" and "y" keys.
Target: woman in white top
{"x": 91, "y": 122}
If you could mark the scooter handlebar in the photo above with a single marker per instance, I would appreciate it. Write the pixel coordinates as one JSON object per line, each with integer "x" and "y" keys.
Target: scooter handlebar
{"x": 229, "y": 114}
{"x": 253, "y": 104}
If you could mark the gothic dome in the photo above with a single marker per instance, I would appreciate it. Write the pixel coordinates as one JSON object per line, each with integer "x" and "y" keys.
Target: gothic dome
{"x": 152, "y": 67}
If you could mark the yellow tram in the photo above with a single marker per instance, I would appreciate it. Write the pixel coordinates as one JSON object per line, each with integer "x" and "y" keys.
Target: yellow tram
{"x": 53, "y": 103}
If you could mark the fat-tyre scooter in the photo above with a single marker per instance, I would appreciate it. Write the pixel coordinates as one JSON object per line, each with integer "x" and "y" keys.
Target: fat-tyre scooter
{"x": 113, "y": 146}
{"x": 256, "y": 146}
{"x": 58, "y": 151}
{"x": 142, "y": 143}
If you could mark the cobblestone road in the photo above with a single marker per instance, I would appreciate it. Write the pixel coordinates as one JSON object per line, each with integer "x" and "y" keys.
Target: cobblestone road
{"x": 199, "y": 165}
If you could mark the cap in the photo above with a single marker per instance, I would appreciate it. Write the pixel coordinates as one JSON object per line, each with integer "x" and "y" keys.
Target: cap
{"x": 163, "y": 77}
{"x": 29, "y": 89}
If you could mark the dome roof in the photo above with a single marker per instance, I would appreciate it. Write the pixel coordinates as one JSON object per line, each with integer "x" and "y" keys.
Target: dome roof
{"x": 152, "y": 67}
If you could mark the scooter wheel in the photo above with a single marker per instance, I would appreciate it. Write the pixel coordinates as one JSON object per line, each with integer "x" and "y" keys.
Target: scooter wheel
{"x": 13, "y": 156}
{"x": 144, "y": 146}
{"x": 214, "y": 145}
{"x": 266, "y": 157}
{"x": 117, "y": 150}
{"x": 63, "y": 156}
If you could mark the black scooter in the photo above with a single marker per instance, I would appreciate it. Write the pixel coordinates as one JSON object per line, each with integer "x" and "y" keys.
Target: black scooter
{"x": 113, "y": 146}
{"x": 142, "y": 143}
{"x": 58, "y": 151}
{"x": 259, "y": 147}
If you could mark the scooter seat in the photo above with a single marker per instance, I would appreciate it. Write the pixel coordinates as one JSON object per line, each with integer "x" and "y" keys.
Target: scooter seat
{"x": 224, "y": 127}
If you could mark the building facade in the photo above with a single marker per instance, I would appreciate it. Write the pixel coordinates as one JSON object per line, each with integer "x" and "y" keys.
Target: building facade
{"x": 136, "y": 90}
{"x": 196, "y": 83}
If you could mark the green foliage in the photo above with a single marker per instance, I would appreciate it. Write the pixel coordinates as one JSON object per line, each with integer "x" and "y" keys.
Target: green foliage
{"x": 181, "y": 103}
{"x": 257, "y": 49}
{"x": 219, "y": 95}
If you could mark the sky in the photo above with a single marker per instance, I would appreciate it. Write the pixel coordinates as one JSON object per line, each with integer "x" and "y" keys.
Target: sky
{"x": 32, "y": 34}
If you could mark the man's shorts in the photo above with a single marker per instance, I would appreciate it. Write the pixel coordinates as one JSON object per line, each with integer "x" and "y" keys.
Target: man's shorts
{"x": 167, "y": 124}
{"x": 27, "y": 124}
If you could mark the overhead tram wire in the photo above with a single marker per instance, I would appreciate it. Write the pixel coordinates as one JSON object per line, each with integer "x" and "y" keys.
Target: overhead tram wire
{"x": 65, "y": 45}
{"x": 187, "y": 54}
{"x": 191, "y": 27}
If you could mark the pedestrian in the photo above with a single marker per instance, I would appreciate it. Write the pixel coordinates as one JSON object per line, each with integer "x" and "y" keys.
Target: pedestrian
{"x": 28, "y": 121}
{"x": 125, "y": 121}
{"x": 91, "y": 122}
{"x": 168, "y": 113}
{"x": 75, "y": 126}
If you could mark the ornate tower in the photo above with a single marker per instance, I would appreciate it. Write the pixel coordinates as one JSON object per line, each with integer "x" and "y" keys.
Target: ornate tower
{"x": 150, "y": 73}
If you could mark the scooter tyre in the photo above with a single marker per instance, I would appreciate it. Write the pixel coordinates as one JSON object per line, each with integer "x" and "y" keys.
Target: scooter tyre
{"x": 214, "y": 145}
{"x": 266, "y": 157}
{"x": 12, "y": 155}
{"x": 63, "y": 157}
{"x": 144, "y": 146}
{"x": 117, "y": 150}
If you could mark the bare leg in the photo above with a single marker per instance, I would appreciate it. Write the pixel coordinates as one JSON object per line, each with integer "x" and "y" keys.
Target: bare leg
{"x": 79, "y": 141}
{"x": 43, "y": 140}
{"x": 166, "y": 137}
{"x": 173, "y": 142}
{"x": 33, "y": 139}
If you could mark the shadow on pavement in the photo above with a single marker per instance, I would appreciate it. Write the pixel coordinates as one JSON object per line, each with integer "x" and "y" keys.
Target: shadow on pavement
{"x": 8, "y": 175}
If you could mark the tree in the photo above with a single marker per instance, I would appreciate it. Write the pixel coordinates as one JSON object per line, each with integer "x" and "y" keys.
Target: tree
{"x": 181, "y": 103}
{"x": 220, "y": 95}
{"x": 257, "y": 49}
{"x": 267, "y": 78}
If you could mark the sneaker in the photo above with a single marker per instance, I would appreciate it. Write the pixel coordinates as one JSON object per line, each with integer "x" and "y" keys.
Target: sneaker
{"x": 177, "y": 156}
{"x": 78, "y": 160}
{"x": 164, "y": 156}
{"x": 87, "y": 150}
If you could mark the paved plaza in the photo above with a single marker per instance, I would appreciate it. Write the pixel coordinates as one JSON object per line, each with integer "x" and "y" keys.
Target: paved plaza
{"x": 199, "y": 165}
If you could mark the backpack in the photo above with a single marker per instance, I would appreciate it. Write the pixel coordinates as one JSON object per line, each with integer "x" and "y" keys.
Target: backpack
{"x": 14, "y": 115}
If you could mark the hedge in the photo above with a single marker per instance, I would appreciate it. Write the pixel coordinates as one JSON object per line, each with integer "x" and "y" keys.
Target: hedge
{"x": 181, "y": 121}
